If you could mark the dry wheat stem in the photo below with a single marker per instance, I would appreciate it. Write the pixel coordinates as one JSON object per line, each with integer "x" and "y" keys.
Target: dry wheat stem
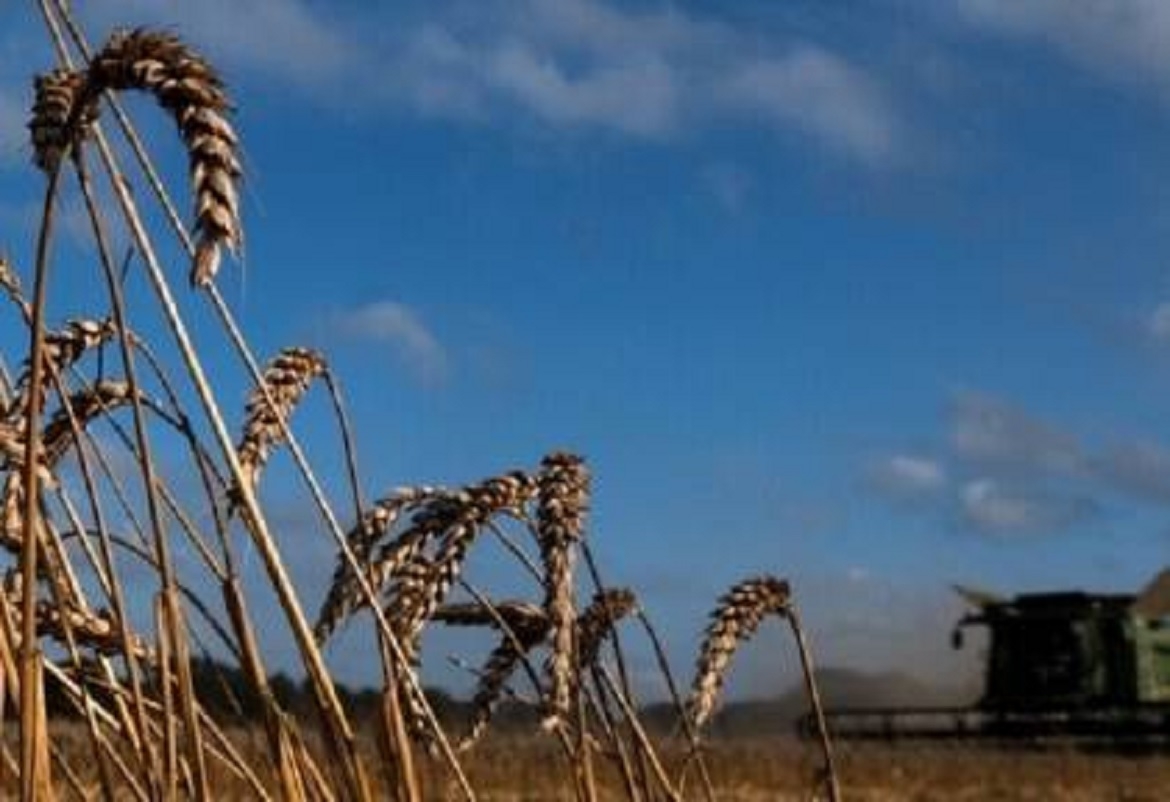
{"x": 733, "y": 621}
{"x": 259, "y": 529}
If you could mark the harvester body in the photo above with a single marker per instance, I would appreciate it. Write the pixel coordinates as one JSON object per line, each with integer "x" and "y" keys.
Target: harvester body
{"x": 1072, "y": 650}
{"x": 1058, "y": 665}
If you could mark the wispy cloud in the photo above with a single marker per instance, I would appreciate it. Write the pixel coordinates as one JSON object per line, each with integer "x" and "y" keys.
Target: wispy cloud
{"x": 819, "y": 93}
{"x": 581, "y": 63}
{"x": 1123, "y": 39}
{"x": 23, "y": 219}
{"x": 730, "y": 185}
{"x": 1158, "y": 323}
{"x": 563, "y": 64}
{"x": 1139, "y": 468}
{"x": 398, "y": 327}
{"x": 989, "y": 430}
{"x": 286, "y": 39}
{"x": 907, "y": 477}
{"x": 994, "y": 508}
{"x": 1005, "y": 470}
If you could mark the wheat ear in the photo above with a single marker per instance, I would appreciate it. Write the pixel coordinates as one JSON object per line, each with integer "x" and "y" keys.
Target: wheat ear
{"x": 733, "y": 621}
{"x": 344, "y": 597}
{"x": 287, "y": 378}
{"x": 515, "y": 615}
{"x": 62, "y": 114}
{"x": 10, "y": 286}
{"x": 190, "y": 89}
{"x": 412, "y": 602}
{"x": 65, "y": 347}
{"x": 596, "y": 621}
{"x": 560, "y": 523}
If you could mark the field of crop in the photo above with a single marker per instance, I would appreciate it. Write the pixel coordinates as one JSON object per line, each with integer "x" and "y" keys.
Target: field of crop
{"x": 118, "y": 449}
{"x": 519, "y": 769}
{"x": 746, "y": 770}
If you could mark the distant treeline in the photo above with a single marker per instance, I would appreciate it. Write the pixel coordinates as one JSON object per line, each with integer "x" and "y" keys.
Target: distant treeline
{"x": 227, "y": 696}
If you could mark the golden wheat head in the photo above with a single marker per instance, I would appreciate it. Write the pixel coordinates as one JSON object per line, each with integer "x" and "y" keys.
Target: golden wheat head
{"x": 344, "y": 597}
{"x": 286, "y": 379}
{"x": 412, "y": 603}
{"x": 598, "y": 620}
{"x": 61, "y": 116}
{"x": 733, "y": 621}
{"x": 190, "y": 89}
{"x": 560, "y": 524}
{"x": 526, "y": 634}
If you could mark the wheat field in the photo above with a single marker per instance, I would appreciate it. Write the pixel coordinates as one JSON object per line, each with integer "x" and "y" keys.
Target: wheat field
{"x": 122, "y": 458}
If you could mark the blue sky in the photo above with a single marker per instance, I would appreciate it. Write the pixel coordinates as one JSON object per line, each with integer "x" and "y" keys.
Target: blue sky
{"x": 872, "y": 295}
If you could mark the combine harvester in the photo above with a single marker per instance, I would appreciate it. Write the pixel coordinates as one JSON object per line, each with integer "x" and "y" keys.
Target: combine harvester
{"x": 1065, "y": 667}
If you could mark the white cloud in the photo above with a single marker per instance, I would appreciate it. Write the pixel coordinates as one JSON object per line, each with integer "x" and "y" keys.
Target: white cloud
{"x": 1158, "y": 323}
{"x": 1005, "y": 470}
{"x": 397, "y": 326}
{"x": 817, "y": 92}
{"x": 283, "y": 38}
{"x": 992, "y": 507}
{"x": 633, "y": 98}
{"x": 565, "y": 64}
{"x": 579, "y": 63}
{"x": 1126, "y": 39}
{"x": 905, "y": 476}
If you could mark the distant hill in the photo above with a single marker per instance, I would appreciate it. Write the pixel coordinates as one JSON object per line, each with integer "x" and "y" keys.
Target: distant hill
{"x": 839, "y": 687}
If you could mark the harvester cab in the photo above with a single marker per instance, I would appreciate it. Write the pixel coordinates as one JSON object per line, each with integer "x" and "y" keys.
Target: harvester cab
{"x": 1074, "y": 650}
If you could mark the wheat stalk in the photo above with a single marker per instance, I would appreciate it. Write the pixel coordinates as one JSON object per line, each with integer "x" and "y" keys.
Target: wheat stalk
{"x": 560, "y": 523}
{"x": 191, "y": 90}
{"x": 733, "y": 621}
